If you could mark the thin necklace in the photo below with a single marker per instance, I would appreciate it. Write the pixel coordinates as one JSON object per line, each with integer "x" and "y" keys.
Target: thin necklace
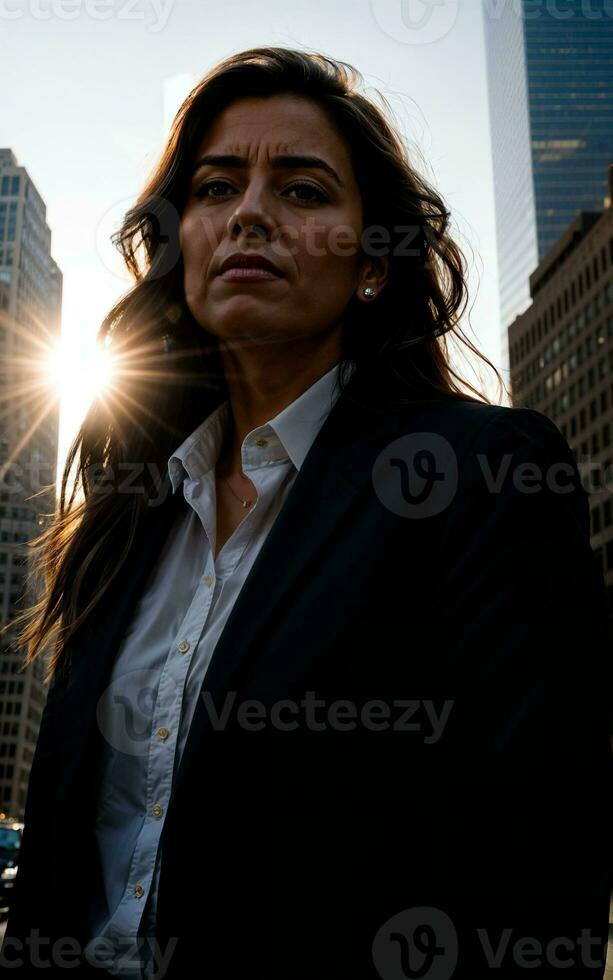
{"x": 245, "y": 503}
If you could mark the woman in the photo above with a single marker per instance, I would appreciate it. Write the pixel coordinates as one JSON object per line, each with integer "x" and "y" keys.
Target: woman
{"x": 329, "y": 678}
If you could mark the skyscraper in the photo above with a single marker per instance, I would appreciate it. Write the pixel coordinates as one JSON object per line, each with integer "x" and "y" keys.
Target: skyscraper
{"x": 551, "y": 114}
{"x": 561, "y": 353}
{"x": 30, "y": 303}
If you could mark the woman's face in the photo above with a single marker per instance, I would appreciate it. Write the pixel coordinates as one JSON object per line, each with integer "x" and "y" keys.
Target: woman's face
{"x": 272, "y": 179}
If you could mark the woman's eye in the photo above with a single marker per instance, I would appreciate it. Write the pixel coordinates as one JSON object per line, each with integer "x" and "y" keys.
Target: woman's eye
{"x": 314, "y": 192}
{"x": 202, "y": 191}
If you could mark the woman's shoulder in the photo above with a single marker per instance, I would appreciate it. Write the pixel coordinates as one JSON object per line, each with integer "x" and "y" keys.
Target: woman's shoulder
{"x": 471, "y": 426}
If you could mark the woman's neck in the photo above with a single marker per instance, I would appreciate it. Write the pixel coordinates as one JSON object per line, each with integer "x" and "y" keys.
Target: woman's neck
{"x": 258, "y": 391}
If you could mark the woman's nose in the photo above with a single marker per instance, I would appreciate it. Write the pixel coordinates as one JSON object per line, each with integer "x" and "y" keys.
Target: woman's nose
{"x": 251, "y": 216}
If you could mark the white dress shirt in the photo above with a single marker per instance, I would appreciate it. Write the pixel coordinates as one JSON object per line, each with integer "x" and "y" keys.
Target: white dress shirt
{"x": 146, "y": 711}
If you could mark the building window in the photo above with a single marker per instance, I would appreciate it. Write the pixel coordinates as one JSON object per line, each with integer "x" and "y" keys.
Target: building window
{"x": 606, "y": 513}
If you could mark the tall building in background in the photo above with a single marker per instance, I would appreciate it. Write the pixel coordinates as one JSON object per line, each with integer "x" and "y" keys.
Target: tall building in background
{"x": 551, "y": 116}
{"x": 561, "y": 353}
{"x": 30, "y": 307}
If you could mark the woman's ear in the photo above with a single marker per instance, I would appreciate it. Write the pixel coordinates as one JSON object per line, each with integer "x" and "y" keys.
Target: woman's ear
{"x": 373, "y": 277}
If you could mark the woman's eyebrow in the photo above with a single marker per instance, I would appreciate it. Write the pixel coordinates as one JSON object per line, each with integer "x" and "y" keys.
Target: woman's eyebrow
{"x": 290, "y": 161}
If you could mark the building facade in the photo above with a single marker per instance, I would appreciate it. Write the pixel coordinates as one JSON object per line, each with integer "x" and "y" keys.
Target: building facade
{"x": 30, "y": 306}
{"x": 561, "y": 357}
{"x": 551, "y": 118}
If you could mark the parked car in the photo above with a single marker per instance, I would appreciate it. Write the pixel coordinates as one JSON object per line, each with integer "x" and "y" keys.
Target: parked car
{"x": 10, "y": 843}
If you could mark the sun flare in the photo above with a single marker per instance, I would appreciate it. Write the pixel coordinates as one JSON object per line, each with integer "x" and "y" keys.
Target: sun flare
{"x": 79, "y": 377}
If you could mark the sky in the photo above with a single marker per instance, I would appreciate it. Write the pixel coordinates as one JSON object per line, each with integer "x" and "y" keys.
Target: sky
{"x": 90, "y": 87}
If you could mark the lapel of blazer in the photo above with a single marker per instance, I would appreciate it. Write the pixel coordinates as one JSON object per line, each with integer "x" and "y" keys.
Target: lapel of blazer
{"x": 336, "y": 472}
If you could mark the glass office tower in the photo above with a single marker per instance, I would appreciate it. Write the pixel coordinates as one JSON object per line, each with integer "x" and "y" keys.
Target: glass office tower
{"x": 30, "y": 314}
{"x": 550, "y": 78}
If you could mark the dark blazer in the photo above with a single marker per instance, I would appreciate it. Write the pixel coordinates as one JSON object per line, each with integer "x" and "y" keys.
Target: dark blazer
{"x": 463, "y": 823}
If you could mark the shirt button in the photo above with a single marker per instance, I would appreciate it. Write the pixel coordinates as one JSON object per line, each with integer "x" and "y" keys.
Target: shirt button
{"x": 157, "y": 810}
{"x": 208, "y": 579}
{"x": 163, "y": 733}
{"x": 261, "y": 442}
{"x": 139, "y": 891}
{"x": 183, "y": 646}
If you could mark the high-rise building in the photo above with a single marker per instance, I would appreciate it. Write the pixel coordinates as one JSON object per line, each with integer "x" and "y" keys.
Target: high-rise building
{"x": 551, "y": 117}
{"x": 561, "y": 354}
{"x": 30, "y": 304}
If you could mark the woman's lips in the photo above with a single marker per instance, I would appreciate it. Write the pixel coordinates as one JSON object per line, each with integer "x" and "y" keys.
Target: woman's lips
{"x": 247, "y": 274}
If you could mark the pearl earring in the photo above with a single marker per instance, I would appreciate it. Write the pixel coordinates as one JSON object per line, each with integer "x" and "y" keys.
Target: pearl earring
{"x": 369, "y": 291}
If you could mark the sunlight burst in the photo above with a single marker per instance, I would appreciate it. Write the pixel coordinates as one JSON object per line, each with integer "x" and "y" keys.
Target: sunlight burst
{"x": 78, "y": 378}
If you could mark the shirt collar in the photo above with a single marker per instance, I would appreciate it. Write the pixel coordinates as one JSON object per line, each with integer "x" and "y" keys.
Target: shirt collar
{"x": 290, "y": 434}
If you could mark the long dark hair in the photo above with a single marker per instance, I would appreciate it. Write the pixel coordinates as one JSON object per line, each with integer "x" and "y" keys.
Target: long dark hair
{"x": 169, "y": 375}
